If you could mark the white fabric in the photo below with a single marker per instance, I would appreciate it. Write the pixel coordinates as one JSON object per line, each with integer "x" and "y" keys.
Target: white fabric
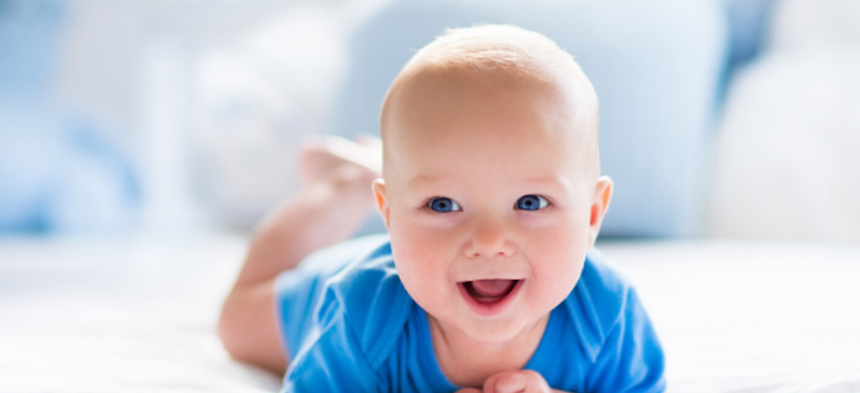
{"x": 119, "y": 315}
{"x": 751, "y": 317}
{"x": 138, "y": 315}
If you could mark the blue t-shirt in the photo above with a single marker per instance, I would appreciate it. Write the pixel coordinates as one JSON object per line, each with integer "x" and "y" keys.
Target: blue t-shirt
{"x": 348, "y": 325}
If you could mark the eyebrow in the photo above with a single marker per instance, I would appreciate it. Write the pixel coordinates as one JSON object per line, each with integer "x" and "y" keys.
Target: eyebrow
{"x": 557, "y": 182}
{"x": 424, "y": 179}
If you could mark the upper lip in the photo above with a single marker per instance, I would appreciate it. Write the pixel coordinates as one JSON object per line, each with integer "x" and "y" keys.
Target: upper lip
{"x": 492, "y": 278}
{"x": 492, "y": 269}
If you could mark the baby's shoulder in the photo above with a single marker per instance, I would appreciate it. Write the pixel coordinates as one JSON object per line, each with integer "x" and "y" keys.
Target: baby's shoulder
{"x": 599, "y": 276}
{"x": 370, "y": 298}
{"x": 599, "y": 299}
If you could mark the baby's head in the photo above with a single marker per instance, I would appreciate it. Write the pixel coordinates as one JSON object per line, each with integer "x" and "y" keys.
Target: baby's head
{"x": 492, "y": 191}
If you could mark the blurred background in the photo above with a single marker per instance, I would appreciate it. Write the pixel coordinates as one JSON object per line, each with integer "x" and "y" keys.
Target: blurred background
{"x": 719, "y": 118}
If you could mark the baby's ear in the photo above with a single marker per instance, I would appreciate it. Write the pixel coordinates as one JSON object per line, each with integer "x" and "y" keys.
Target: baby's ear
{"x": 599, "y": 204}
{"x": 381, "y": 201}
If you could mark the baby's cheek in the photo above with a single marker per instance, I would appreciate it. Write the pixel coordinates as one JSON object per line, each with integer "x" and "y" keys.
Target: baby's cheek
{"x": 557, "y": 260}
{"x": 419, "y": 242}
{"x": 417, "y": 262}
{"x": 557, "y": 241}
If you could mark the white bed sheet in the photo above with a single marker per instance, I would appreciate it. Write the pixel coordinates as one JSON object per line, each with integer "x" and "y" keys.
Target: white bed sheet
{"x": 119, "y": 315}
{"x": 752, "y": 317}
{"x": 138, "y": 314}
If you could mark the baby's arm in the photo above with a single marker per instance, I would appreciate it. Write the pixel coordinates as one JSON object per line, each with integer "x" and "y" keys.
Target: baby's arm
{"x": 334, "y": 202}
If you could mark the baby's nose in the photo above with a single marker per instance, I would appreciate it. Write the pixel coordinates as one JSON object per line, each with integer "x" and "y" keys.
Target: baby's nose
{"x": 489, "y": 240}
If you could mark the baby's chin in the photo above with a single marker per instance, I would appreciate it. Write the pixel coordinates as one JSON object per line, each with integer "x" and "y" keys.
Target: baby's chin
{"x": 494, "y": 335}
{"x": 497, "y": 332}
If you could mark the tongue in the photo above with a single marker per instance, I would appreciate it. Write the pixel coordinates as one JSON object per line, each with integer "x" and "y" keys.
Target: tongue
{"x": 492, "y": 288}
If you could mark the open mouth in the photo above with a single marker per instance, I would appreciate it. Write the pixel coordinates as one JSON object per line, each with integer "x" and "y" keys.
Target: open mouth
{"x": 489, "y": 291}
{"x": 488, "y": 297}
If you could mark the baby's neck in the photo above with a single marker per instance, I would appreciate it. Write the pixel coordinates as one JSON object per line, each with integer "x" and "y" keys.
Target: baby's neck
{"x": 467, "y": 362}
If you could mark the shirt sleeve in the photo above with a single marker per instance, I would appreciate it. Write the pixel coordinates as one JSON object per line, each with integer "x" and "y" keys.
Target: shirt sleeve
{"x": 331, "y": 361}
{"x": 631, "y": 358}
{"x": 299, "y": 291}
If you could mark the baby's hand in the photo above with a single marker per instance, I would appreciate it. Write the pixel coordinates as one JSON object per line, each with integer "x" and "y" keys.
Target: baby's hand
{"x": 515, "y": 381}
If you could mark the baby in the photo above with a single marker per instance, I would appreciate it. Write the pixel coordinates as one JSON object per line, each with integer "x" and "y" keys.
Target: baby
{"x": 491, "y": 191}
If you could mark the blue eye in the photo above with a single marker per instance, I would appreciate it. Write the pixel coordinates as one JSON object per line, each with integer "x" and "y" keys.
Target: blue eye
{"x": 531, "y": 202}
{"x": 443, "y": 205}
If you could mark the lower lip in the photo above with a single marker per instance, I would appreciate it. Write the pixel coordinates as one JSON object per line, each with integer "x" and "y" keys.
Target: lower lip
{"x": 490, "y": 309}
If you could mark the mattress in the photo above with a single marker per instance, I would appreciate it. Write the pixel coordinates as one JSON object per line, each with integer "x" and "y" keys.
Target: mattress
{"x": 138, "y": 314}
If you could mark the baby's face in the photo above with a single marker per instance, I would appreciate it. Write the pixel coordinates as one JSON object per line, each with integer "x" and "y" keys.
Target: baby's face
{"x": 488, "y": 202}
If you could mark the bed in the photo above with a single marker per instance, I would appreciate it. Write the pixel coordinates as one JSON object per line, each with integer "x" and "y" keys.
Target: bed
{"x": 137, "y": 314}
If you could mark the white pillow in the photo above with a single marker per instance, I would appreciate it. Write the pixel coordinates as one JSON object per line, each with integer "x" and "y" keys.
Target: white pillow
{"x": 788, "y": 151}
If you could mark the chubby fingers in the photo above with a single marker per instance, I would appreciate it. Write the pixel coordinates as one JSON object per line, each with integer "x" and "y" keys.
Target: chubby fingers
{"x": 516, "y": 381}
{"x": 469, "y": 390}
